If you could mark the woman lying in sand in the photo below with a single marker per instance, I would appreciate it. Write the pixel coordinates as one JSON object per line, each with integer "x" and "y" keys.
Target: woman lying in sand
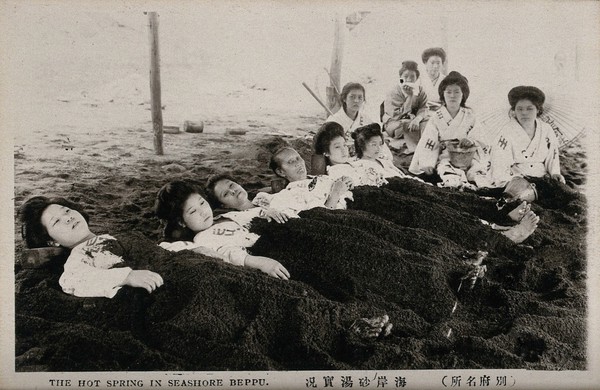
{"x": 92, "y": 269}
{"x": 183, "y": 205}
{"x": 288, "y": 164}
{"x": 372, "y": 171}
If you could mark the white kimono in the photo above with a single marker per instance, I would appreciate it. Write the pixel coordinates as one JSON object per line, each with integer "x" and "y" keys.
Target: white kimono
{"x": 93, "y": 271}
{"x": 361, "y": 172}
{"x": 304, "y": 195}
{"x": 228, "y": 238}
{"x": 442, "y": 127}
{"x": 350, "y": 125}
{"x": 431, "y": 88}
{"x": 514, "y": 154}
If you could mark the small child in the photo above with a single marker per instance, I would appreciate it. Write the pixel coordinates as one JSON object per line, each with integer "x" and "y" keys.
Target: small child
{"x": 184, "y": 206}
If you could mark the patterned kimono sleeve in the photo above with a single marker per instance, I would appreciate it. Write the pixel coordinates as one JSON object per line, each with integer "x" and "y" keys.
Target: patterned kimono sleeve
{"x": 501, "y": 160}
{"x": 84, "y": 280}
{"x": 552, "y": 161}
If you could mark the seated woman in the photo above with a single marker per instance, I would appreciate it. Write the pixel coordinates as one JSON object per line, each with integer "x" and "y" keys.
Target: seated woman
{"x": 373, "y": 172}
{"x": 434, "y": 59}
{"x": 526, "y": 146}
{"x": 400, "y": 208}
{"x": 183, "y": 205}
{"x": 350, "y": 116}
{"x": 405, "y": 108}
{"x": 452, "y": 125}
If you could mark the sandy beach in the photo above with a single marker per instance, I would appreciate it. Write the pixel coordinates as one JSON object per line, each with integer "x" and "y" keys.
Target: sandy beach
{"x": 79, "y": 115}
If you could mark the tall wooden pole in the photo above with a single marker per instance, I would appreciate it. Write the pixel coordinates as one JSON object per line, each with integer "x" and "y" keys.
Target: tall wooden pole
{"x": 155, "y": 102}
{"x": 445, "y": 34}
{"x": 335, "y": 71}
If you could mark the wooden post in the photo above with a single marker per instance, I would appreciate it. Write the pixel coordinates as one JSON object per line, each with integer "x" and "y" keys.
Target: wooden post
{"x": 155, "y": 102}
{"x": 445, "y": 42}
{"x": 335, "y": 71}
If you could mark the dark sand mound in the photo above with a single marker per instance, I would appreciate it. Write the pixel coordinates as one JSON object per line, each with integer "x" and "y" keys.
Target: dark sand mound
{"x": 400, "y": 250}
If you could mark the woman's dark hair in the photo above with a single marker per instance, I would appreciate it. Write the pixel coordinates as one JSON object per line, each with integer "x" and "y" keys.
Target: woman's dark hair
{"x": 433, "y": 51}
{"x": 533, "y": 94}
{"x": 409, "y": 65}
{"x": 33, "y": 232}
{"x": 210, "y": 189}
{"x": 455, "y": 78}
{"x": 362, "y": 135}
{"x": 274, "y": 163}
{"x": 327, "y": 133}
{"x": 346, "y": 90}
{"x": 169, "y": 207}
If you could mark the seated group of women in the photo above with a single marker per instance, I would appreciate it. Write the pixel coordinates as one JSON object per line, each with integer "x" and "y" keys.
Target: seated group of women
{"x": 429, "y": 117}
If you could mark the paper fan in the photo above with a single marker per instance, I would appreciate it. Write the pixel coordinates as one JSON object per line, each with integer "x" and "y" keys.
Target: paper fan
{"x": 566, "y": 119}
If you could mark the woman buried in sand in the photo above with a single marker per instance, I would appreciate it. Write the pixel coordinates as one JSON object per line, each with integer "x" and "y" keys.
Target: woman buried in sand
{"x": 350, "y": 116}
{"x": 374, "y": 172}
{"x": 452, "y": 126}
{"x": 183, "y": 205}
{"x": 92, "y": 269}
{"x": 399, "y": 208}
{"x": 526, "y": 146}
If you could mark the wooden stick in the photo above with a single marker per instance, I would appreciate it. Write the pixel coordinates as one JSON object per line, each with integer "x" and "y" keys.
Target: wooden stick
{"x": 336, "y": 64}
{"x": 317, "y": 98}
{"x": 155, "y": 101}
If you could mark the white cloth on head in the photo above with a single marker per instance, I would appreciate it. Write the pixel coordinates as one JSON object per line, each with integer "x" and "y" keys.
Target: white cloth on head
{"x": 513, "y": 153}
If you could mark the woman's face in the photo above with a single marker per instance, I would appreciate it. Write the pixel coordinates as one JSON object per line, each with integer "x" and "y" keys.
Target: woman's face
{"x": 291, "y": 166}
{"x": 196, "y": 213}
{"x": 65, "y": 226}
{"x": 338, "y": 151}
{"x": 230, "y": 194}
{"x": 372, "y": 147}
{"x": 354, "y": 100}
{"x": 453, "y": 96}
{"x": 525, "y": 111}
{"x": 409, "y": 76}
{"x": 433, "y": 66}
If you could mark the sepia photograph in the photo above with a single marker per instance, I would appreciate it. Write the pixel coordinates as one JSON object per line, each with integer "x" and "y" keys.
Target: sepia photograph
{"x": 300, "y": 195}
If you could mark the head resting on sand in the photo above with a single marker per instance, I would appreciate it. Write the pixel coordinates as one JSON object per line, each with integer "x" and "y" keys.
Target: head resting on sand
{"x": 287, "y": 163}
{"x": 330, "y": 142}
{"x": 223, "y": 191}
{"x": 363, "y": 134}
{"x": 184, "y": 208}
{"x": 52, "y": 222}
{"x": 455, "y": 78}
{"x": 524, "y": 92}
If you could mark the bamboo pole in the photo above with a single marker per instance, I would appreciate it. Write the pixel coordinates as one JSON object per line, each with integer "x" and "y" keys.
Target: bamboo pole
{"x": 335, "y": 70}
{"x": 317, "y": 99}
{"x": 155, "y": 101}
